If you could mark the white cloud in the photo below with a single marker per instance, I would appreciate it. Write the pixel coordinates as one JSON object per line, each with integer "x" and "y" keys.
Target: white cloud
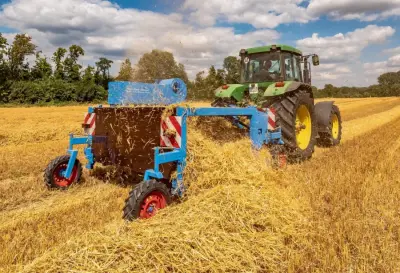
{"x": 344, "y": 47}
{"x": 272, "y": 13}
{"x": 378, "y": 68}
{"x": 365, "y": 10}
{"x": 259, "y": 13}
{"x": 340, "y": 54}
{"x": 104, "y": 29}
{"x": 395, "y": 50}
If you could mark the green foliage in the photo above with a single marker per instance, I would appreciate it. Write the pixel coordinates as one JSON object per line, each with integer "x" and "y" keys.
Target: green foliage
{"x": 71, "y": 66}
{"x": 203, "y": 87}
{"x": 21, "y": 47}
{"x": 389, "y": 86}
{"x": 390, "y": 78}
{"x": 20, "y": 83}
{"x": 158, "y": 65}
{"x": 57, "y": 58}
{"x": 52, "y": 90}
{"x": 42, "y": 69}
{"x": 232, "y": 68}
{"x": 102, "y": 76}
{"x": 126, "y": 71}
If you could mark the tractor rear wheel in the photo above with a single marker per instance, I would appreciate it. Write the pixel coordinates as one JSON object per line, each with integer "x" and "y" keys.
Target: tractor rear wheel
{"x": 146, "y": 199}
{"x": 53, "y": 175}
{"x": 334, "y": 134}
{"x": 295, "y": 116}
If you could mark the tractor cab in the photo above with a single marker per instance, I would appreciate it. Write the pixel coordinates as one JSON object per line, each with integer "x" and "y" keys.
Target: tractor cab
{"x": 275, "y": 63}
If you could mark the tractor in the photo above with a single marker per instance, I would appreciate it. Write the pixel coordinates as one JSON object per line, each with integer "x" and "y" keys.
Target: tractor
{"x": 278, "y": 77}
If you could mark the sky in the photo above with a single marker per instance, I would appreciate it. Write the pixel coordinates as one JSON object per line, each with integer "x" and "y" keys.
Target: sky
{"x": 356, "y": 40}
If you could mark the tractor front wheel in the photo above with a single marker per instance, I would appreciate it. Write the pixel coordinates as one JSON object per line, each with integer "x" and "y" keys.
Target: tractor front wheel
{"x": 333, "y": 135}
{"x": 54, "y": 173}
{"x": 146, "y": 199}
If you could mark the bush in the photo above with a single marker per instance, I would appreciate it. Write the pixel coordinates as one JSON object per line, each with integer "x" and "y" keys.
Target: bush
{"x": 51, "y": 90}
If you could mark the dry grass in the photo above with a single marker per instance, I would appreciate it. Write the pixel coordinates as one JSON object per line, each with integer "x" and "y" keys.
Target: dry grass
{"x": 338, "y": 212}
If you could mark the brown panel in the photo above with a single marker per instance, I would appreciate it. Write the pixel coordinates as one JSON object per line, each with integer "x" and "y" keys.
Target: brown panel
{"x": 130, "y": 134}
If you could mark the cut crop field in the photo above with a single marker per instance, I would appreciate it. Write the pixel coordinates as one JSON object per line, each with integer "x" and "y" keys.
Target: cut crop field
{"x": 338, "y": 212}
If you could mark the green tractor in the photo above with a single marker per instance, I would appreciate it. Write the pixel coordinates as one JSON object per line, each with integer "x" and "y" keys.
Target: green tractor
{"x": 278, "y": 77}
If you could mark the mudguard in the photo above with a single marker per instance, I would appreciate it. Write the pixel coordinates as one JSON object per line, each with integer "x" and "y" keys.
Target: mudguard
{"x": 288, "y": 86}
{"x": 323, "y": 112}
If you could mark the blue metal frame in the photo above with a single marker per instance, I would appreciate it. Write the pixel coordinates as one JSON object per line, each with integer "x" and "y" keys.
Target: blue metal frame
{"x": 259, "y": 135}
{"x": 80, "y": 140}
{"x": 258, "y": 132}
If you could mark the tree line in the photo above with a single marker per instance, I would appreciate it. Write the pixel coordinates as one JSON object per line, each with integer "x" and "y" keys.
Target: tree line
{"x": 388, "y": 86}
{"x": 65, "y": 80}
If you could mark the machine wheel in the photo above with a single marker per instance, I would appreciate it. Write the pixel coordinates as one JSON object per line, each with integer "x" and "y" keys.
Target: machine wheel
{"x": 279, "y": 157}
{"x": 334, "y": 134}
{"x": 295, "y": 115}
{"x": 146, "y": 199}
{"x": 53, "y": 173}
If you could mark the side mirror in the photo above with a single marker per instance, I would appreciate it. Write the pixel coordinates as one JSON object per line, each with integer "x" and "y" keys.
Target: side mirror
{"x": 315, "y": 60}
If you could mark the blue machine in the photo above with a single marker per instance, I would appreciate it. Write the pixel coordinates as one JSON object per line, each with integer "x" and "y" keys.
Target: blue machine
{"x": 167, "y": 92}
{"x": 164, "y": 92}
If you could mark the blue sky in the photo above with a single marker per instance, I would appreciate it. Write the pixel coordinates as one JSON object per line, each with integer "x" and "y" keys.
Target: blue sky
{"x": 355, "y": 40}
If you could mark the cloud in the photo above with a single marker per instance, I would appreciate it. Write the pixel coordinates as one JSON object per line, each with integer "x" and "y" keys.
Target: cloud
{"x": 376, "y": 69}
{"x": 366, "y": 10}
{"x": 272, "y": 13}
{"x": 345, "y": 47}
{"x": 340, "y": 54}
{"x": 259, "y": 13}
{"x": 104, "y": 29}
{"x": 395, "y": 50}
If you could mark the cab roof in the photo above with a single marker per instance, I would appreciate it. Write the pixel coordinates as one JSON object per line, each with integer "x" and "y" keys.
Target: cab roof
{"x": 271, "y": 47}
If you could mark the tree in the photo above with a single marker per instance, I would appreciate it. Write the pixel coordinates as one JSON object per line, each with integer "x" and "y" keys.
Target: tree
{"x": 232, "y": 67}
{"x": 158, "y": 65}
{"x": 126, "y": 71}
{"x": 103, "y": 71}
{"x": 389, "y": 78}
{"x": 3, "y": 46}
{"x": 42, "y": 69}
{"x": 71, "y": 67}
{"x": 214, "y": 80}
{"x": 3, "y": 64}
{"x": 88, "y": 75}
{"x": 58, "y": 57}
{"x": 21, "y": 48}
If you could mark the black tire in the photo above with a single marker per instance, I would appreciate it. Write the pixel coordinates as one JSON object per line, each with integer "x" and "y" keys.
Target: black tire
{"x": 52, "y": 177}
{"x": 286, "y": 107}
{"x": 138, "y": 196}
{"x": 327, "y": 139}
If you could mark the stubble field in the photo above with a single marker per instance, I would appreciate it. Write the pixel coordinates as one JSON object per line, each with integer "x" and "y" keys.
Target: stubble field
{"x": 338, "y": 212}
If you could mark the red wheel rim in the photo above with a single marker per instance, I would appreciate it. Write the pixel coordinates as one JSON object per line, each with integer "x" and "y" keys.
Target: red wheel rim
{"x": 282, "y": 160}
{"x": 151, "y": 204}
{"x": 58, "y": 177}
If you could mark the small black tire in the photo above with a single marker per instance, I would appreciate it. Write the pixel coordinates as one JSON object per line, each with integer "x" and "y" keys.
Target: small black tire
{"x": 52, "y": 174}
{"x": 144, "y": 196}
{"x": 333, "y": 136}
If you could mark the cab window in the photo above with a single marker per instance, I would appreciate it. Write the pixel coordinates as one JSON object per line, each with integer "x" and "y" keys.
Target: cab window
{"x": 289, "y": 67}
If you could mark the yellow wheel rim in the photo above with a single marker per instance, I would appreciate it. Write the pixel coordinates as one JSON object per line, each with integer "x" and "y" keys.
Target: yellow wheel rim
{"x": 335, "y": 126}
{"x": 303, "y": 127}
